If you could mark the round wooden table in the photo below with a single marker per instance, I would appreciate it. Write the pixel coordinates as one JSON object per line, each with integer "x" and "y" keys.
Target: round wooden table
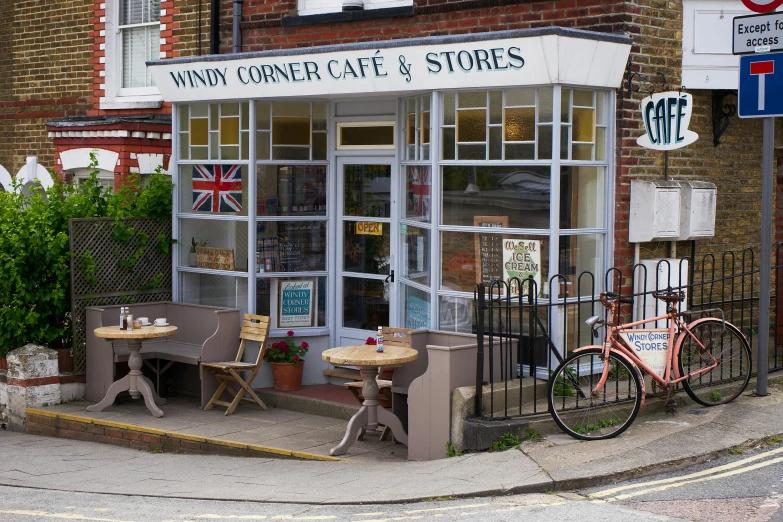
{"x": 135, "y": 382}
{"x": 370, "y": 415}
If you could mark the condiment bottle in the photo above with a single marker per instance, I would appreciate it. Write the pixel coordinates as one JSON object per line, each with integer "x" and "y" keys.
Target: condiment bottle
{"x": 379, "y": 340}
{"x": 122, "y": 318}
{"x": 129, "y": 320}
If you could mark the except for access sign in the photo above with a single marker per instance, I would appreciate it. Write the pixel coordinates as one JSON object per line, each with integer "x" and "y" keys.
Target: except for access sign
{"x": 758, "y": 33}
{"x": 760, "y": 85}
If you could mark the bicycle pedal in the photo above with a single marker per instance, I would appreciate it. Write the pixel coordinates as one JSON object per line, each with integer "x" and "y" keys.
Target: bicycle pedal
{"x": 670, "y": 407}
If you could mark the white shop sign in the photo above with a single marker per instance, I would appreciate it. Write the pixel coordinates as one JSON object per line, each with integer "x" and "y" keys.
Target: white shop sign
{"x": 650, "y": 346}
{"x": 666, "y": 116}
{"x": 536, "y": 60}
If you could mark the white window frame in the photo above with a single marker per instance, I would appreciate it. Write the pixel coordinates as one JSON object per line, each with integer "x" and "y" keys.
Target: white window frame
{"x": 116, "y": 96}
{"x": 313, "y": 7}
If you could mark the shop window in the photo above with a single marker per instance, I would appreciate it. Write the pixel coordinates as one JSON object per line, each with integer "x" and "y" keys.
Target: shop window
{"x": 217, "y": 131}
{"x": 582, "y": 197}
{"x": 521, "y": 193}
{"x": 417, "y": 128}
{"x": 228, "y": 291}
{"x": 272, "y": 301}
{"x": 213, "y": 189}
{"x": 291, "y": 131}
{"x": 583, "y": 125}
{"x": 514, "y": 124}
{"x": 415, "y": 254}
{"x": 418, "y": 190}
{"x": 291, "y": 190}
{"x": 223, "y": 235}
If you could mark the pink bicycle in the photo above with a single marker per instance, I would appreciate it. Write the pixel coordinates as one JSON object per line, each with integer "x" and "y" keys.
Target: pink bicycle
{"x": 596, "y": 392}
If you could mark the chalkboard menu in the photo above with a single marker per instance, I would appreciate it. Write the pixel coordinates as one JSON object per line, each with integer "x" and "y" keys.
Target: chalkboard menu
{"x": 290, "y": 255}
{"x": 489, "y": 249}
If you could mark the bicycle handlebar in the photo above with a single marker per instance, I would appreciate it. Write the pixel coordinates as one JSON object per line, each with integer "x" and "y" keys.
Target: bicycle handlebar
{"x": 608, "y": 297}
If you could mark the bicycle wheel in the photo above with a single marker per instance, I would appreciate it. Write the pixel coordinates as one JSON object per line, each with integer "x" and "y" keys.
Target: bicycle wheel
{"x": 726, "y": 381}
{"x": 592, "y": 417}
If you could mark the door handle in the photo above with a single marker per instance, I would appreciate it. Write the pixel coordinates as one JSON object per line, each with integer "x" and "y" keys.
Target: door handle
{"x": 389, "y": 278}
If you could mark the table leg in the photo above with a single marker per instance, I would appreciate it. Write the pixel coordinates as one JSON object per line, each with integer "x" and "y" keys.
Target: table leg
{"x": 160, "y": 401}
{"x": 370, "y": 392}
{"x": 134, "y": 363}
{"x": 111, "y": 394}
{"x": 358, "y": 420}
{"x": 393, "y": 422}
{"x": 146, "y": 391}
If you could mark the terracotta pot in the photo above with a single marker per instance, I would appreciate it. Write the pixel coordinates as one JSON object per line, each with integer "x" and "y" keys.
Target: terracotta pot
{"x": 287, "y": 376}
{"x": 3, "y": 363}
{"x": 64, "y": 360}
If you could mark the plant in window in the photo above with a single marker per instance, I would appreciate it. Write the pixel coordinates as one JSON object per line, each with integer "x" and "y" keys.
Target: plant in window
{"x": 286, "y": 351}
{"x": 193, "y": 244}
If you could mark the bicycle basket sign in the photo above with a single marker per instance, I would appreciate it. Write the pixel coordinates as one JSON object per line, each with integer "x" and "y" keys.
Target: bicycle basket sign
{"x": 650, "y": 346}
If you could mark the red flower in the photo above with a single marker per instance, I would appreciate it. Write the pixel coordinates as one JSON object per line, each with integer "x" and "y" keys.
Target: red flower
{"x": 296, "y": 358}
{"x": 284, "y": 348}
{"x": 305, "y": 345}
{"x": 290, "y": 333}
{"x": 370, "y": 340}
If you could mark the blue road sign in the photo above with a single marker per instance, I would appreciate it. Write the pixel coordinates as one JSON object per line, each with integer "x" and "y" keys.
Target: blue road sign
{"x": 760, "y": 85}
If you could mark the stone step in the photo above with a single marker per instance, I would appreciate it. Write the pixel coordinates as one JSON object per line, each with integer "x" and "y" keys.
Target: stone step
{"x": 313, "y": 401}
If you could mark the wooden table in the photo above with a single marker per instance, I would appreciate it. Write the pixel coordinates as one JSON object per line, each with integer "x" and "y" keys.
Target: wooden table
{"x": 135, "y": 382}
{"x": 370, "y": 415}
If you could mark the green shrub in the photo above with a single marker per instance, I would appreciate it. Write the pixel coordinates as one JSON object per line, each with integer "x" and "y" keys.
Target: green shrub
{"x": 35, "y": 294}
{"x": 504, "y": 442}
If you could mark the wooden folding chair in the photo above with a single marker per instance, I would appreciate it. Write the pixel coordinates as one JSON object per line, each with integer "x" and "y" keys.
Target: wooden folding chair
{"x": 254, "y": 328}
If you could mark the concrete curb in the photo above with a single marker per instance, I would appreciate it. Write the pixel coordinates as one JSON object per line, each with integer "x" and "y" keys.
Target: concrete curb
{"x": 262, "y": 450}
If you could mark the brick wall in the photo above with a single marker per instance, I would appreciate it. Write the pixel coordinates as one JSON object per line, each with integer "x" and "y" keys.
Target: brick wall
{"x": 43, "y": 74}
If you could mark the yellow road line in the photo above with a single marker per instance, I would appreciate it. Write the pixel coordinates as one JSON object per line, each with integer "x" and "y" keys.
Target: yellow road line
{"x": 452, "y": 508}
{"x": 732, "y": 465}
{"x": 694, "y": 481}
{"x": 66, "y": 516}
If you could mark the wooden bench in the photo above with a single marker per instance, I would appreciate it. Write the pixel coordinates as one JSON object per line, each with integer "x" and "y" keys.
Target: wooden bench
{"x": 204, "y": 334}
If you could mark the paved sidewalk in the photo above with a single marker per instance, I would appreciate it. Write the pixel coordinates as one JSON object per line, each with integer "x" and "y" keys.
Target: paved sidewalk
{"x": 655, "y": 442}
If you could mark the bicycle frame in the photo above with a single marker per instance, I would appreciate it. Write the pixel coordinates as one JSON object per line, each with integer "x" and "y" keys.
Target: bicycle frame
{"x": 614, "y": 343}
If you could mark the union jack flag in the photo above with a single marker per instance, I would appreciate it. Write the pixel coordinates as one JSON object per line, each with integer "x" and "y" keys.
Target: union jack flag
{"x": 217, "y": 188}
{"x": 419, "y": 196}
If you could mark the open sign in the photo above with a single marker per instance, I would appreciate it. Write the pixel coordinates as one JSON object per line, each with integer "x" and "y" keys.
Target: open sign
{"x": 666, "y": 117}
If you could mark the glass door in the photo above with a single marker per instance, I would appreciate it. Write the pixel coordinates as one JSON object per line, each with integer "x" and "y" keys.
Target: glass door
{"x": 365, "y": 260}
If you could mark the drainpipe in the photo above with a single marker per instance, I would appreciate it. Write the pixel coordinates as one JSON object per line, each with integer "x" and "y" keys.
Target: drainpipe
{"x": 214, "y": 27}
{"x": 236, "y": 46}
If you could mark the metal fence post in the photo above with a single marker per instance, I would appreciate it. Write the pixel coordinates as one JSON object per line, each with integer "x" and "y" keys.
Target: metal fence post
{"x": 481, "y": 298}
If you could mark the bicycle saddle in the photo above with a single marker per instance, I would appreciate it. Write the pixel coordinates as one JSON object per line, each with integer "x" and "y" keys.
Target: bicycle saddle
{"x": 669, "y": 297}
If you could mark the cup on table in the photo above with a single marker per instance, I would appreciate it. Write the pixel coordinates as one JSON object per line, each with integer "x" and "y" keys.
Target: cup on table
{"x": 160, "y": 321}
{"x": 145, "y": 321}
{"x": 136, "y": 323}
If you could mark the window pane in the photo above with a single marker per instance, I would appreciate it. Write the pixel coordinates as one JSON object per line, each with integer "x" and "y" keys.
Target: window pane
{"x": 262, "y": 116}
{"x": 229, "y": 131}
{"x": 291, "y": 190}
{"x": 496, "y": 107}
{"x": 472, "y": 125}
{"x": 319, "y": 145}
{"x": 448, "y": 108}
{"x": 364, "y": 251}
{"x": 264, "y": 298}
{"x": 365, "y": 303}
{"x": 583, "y": 98}
{"x": 290, "y": 131}
{"x": 544, "y": 142}
{"x": 580, "y": 254}
{"x": 291, "y": 153}
{"x": 209, "y": 188}
{"x": 319, "y": 116}
{"x": 296, "y": 246}
{"x": 425, "y": 127}
{"x": 471, "y": 99}
{"x": 519, "y": 124}
{"x": 367, "y": 190}
{"x": 600, "y": 108}
{"x": 495, "y": 143}
{"x": 214, "y": 234}
{"x": 582, "y": 192}
{"x": 416, "y": 308}
{"x": 582, "y": 153}
{"x": 418, "y": 188}
{"x": 448, "y": 144}
{"x": 139, "y": 44}
{"x": 456, "y": 315}
{"x": 600, "y": 143}
{"x": 472, "y": 152}
{"x": 520, "y": 151}
{"x": 500, "y": 256}
{"x": 545, "y": 105}
{"x": 565, "y": 105}
{"x": 521, "y": 193}
{"x": 410, "y": 129}
{"x": 520, "y": 97}
{"x": 213, "y": 290}
{"x": 416, "y": 254}
{"x": 199, "y": 132}
{"x": 584, "y": 125}
{"x": 367, "y": 136}
{"x": 262, "y": 146}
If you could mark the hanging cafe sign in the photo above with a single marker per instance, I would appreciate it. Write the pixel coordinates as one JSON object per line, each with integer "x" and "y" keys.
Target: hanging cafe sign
{"x": 519, "y": 58}
{"x": 666, "y": 116}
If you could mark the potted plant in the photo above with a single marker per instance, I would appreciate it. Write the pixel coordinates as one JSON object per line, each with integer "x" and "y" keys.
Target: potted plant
{"x": 192, "y": 255}
{"x": 287, "y": 361}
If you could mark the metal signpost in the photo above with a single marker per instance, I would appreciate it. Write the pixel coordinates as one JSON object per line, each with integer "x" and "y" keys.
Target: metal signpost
{"x": 761, "y": 73}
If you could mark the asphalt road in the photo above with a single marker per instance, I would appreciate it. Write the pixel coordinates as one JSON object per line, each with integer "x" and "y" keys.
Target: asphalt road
{"x": 746, "y": 486}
